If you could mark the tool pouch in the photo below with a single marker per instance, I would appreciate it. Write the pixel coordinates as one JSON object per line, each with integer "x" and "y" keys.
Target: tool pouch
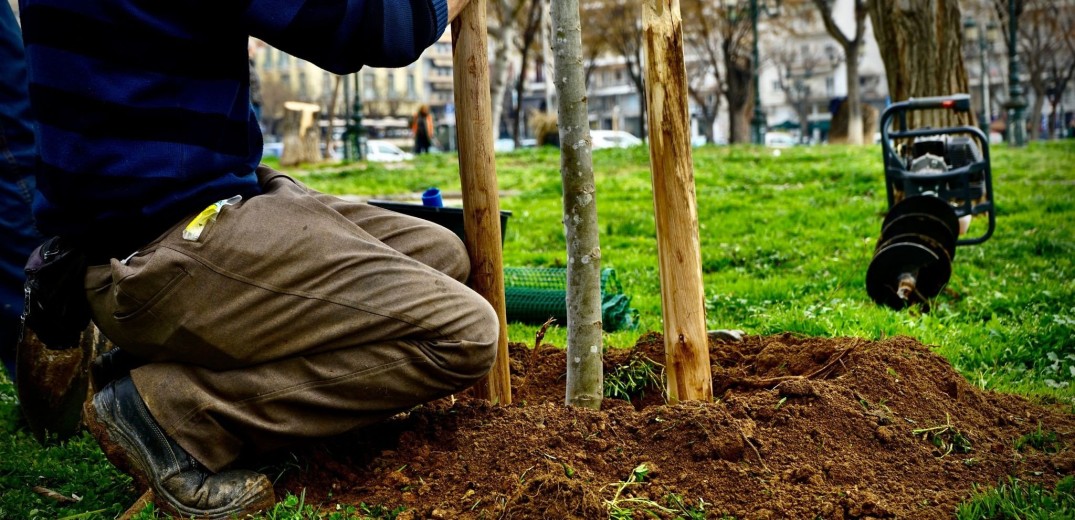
{"x": 55, "y": 307}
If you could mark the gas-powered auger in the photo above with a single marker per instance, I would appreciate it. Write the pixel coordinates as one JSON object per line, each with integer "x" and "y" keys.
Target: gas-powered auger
{"x": 937, "y": 179}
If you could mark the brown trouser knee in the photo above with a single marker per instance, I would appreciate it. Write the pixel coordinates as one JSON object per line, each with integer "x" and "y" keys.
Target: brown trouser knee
{"x": 295, "y": 315}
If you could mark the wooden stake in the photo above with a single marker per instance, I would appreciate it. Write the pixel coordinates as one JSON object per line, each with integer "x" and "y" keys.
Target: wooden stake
{"x": 477, "y": 171}
{"x": 682, "y": 295}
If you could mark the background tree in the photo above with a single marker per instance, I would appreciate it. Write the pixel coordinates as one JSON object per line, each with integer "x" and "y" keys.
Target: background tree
{"x": 795, "y": 68}
{"x": 851, "y": 46}
{"x": 921, "y": 45}
{"x": 593, "y": 44}
{"x": 526, "y": 42}
{"x": 735, "y": 46}
{"x": 503, "y": 16}
{"x": 705, "y": 26}
{"x": 584, "y": 348}
{"x": 618, "y": 27}
{"x": 1047, "y": 53}
{"x": 330, "y": 116}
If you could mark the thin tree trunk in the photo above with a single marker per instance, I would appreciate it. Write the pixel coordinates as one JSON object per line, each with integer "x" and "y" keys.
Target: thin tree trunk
{"x": 529, "y": 34}
{"x": 851, "y": 46}
{"x": 520, "y": 84}
{"x": 854, "y": 101}
{"x": 499, "y": 73}
{"x": 1034, "y": 115}
{"x": 708, "y": 112}
{"x": 330, "y": 143}
{"x": 584, "y": 349}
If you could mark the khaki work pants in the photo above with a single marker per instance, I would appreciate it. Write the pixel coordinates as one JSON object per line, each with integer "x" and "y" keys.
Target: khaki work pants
{"x": 296, "y": 315}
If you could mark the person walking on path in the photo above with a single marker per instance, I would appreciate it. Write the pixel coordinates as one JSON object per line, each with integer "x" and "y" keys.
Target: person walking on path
{"x": 422, "y": 128}
{"x": 265, "y": 313}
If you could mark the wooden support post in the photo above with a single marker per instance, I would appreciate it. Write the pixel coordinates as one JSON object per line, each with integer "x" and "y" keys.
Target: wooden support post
{"x": 477, "y": 171}
{"x": 682, "y": 295}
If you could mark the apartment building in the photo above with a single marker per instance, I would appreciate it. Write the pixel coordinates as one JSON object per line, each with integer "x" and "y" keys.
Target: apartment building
{"x": 388, "y": 96}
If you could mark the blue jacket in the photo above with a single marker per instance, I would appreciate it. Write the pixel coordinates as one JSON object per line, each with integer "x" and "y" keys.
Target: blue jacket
{"x": 143, "y": 106}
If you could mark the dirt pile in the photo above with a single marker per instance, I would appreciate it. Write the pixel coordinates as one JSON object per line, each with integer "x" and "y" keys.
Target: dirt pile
{"x": 803, "y": 428}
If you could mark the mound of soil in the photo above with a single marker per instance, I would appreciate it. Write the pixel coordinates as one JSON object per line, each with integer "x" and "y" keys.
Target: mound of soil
{"x": 802, "y": 428}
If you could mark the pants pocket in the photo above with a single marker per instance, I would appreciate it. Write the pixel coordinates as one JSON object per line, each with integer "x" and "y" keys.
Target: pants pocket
{"x": 124, "y": 308}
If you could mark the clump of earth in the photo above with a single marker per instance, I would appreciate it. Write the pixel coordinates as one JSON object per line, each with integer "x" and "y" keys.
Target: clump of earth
{"x": 801, "y": 427}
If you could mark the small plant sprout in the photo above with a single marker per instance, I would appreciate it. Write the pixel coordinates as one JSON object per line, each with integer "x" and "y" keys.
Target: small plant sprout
{"x": 684, "y": 510}
{"x": 630, "y": 380}
{"x": 1042, "y": 440}
{"x": 624, "y": 508}
{"x": 945, "y": 437}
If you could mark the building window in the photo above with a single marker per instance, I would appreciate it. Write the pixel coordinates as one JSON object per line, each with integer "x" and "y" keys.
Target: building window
{"x": 412, "y": 88}
{"x": 830, "y": 86}
{"x": 369, "y": 86}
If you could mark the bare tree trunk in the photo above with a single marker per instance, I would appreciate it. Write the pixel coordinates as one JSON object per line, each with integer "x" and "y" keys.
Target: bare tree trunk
{"x": 851, "y": 46}
{"x": 330, "y": 143}
{"x": 640, "y": 87}
{"x": 739, "y": 125}
{"x": 921, "y": 45}
{"x": 854, "y": 101}
{"x": 1034, "y": 115}
{"x": 520, "y": 84}
{"x": 499, "y": 73}
{"x": 708, "y": 112}
{"x": 737, "y": 93}
{"x": 529, "y": 34}
{"x": 584, "y": 349}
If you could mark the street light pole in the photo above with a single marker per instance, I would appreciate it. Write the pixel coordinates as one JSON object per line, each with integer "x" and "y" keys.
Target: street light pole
{"x": 348, "y": 153}
{"x": 757, "y": 123}
{"x": 359, "y": 130}
{"x": 985, "y": 36}
{"x": 1016, "y": 102}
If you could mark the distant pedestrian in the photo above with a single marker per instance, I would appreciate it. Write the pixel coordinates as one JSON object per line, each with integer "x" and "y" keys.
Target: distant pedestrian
{"x": 422, "y": 128}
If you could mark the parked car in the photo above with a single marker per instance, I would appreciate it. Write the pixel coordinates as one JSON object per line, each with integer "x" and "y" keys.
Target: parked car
{"x": 504, "y": 145}
{"x": 780, "y": 140}
{"x": 383, "y": 151}
{"x": 272, "y": 149}
{"x": 613, "y": 139}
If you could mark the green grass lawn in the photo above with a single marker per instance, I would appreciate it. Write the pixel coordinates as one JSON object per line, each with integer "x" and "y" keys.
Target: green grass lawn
{"x": 785, "y": 240}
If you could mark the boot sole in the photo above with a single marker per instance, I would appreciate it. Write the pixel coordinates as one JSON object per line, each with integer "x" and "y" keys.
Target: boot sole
{"x": 119, "y": 451}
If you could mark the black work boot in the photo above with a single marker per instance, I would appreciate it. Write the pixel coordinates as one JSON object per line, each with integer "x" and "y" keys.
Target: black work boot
{"x": 134, "y": 443}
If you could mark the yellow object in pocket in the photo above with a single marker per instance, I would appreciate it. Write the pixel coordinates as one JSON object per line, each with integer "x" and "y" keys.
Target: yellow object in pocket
{"x": 194, "y": 229}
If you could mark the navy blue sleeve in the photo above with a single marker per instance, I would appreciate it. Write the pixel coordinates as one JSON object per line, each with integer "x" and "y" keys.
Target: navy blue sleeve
{"x": 341, "y": 36}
